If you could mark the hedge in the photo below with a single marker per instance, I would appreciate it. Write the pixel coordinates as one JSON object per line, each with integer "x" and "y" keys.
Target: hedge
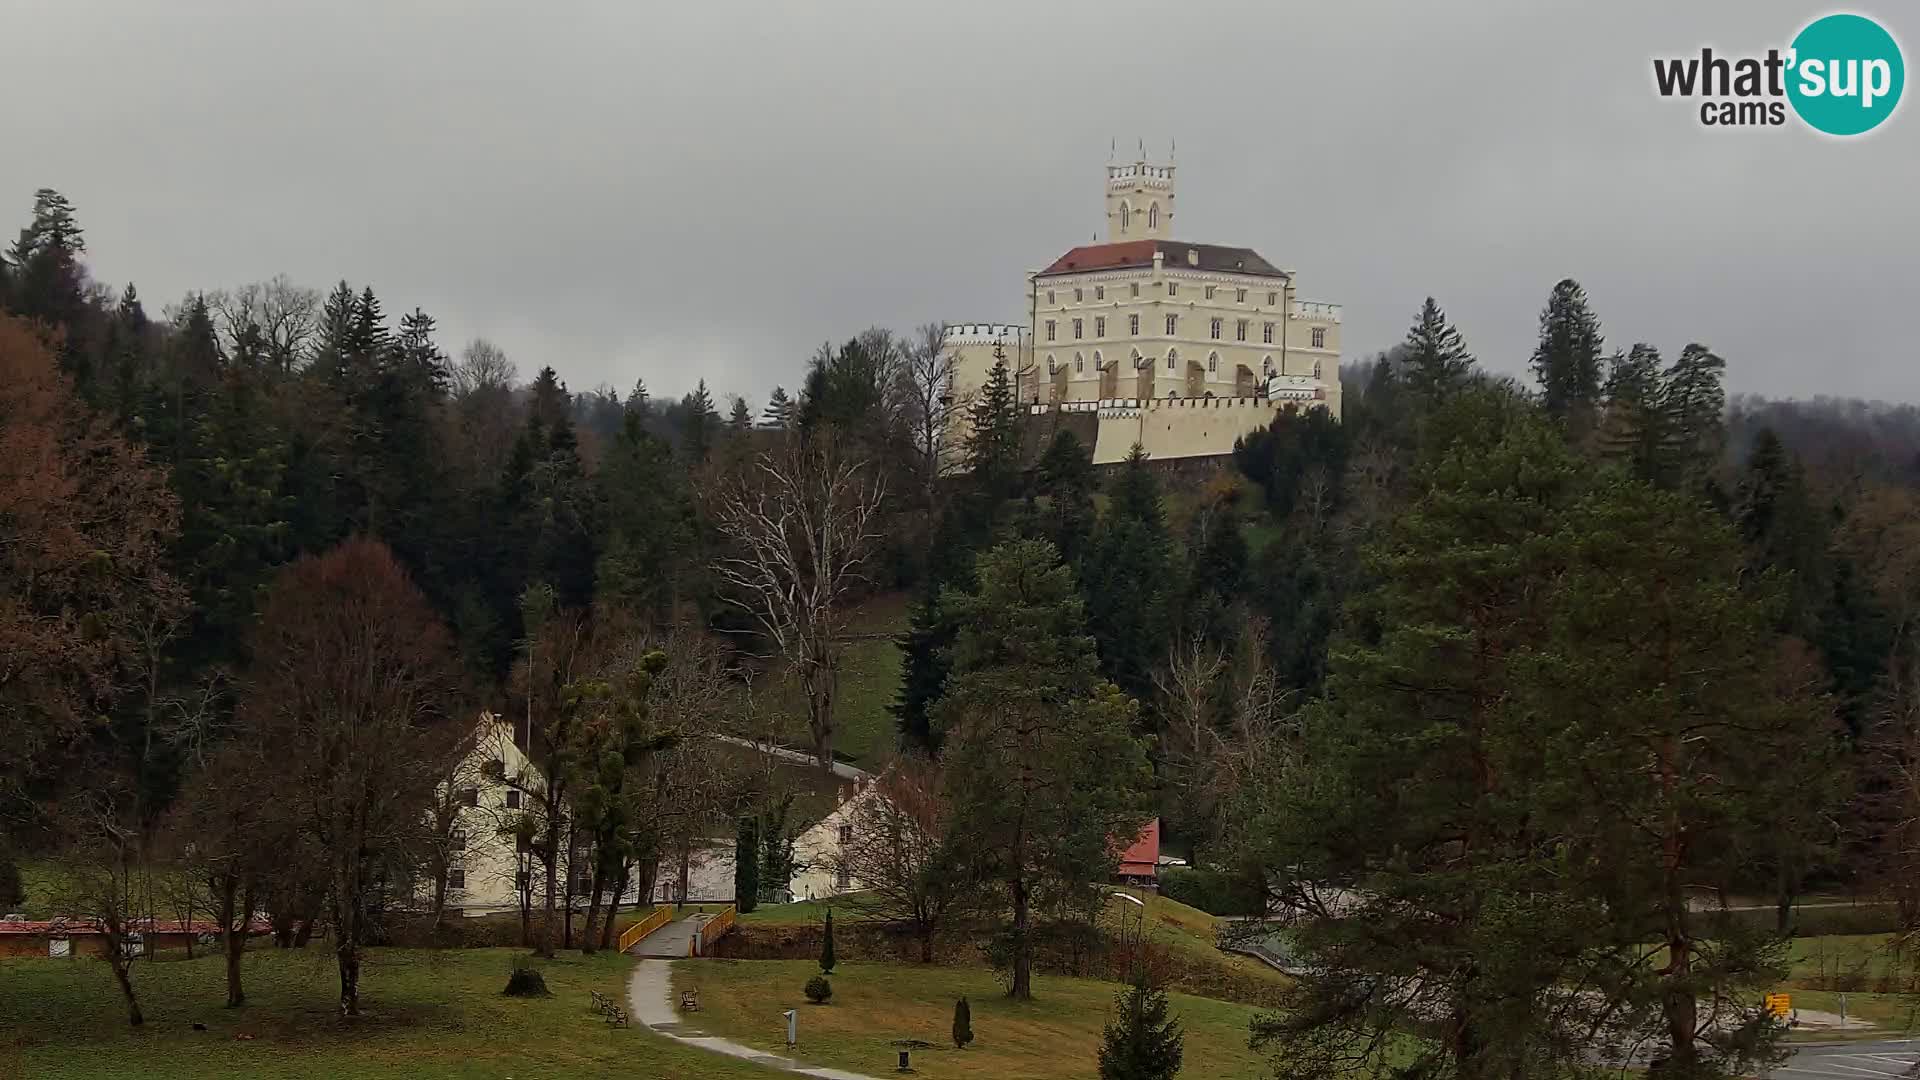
{"x": 1215, "y": 892}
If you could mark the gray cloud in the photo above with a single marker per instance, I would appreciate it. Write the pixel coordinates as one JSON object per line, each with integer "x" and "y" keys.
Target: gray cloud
{"x": 712, "y": 189}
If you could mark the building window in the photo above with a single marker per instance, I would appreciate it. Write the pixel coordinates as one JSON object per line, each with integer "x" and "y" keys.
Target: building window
{"x": 1153, "y": 216}
{"x": 457, "y": 840}
{"x": 1240, "y": 330}
{"x": 1126, "y": 216}
{"x": 1049, "y": 363}
{"x": 1173, "y": 359}
{"x": 523, "y": 881}
{"x": 1209, "y": 292}
{"x": 1273, "y": 298}
{"x": 470, "y": 796}
{"x": 1133, "y": 324}
{"x": 1077, "y": 325}
{"x": 1050, "y": 330}
{"x": 1319, "y": 337}
{"x": 1213, "y": 362}
{"x": 456, "y": 878}
{"x": 1316, "y": 369}
{"x": 1079, "y": 362}
{"x": 1078, "y": 296}
{"x": 513, "y": 800}
{"x": 1173, "y": 288}
{"x": 1266, "y": 333}
{"x": 1099, "y": 292}
{"x": 1171, "y": 323}
{"x": 1049, "y": 297}
{"x": 1214, "y": 330}
{"x": 842, "y": 879}
{"x": 1240, "y": 296}
{"x": 1100, "y": 326}
{"x": 1136, "y": 289}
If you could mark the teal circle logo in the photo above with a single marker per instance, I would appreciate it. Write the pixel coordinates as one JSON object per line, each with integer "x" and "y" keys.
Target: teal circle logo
{"x": 1845, "y": 74}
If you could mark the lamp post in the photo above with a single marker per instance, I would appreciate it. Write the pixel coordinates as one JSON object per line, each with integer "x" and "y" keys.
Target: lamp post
{"x": 1140, "y": 923}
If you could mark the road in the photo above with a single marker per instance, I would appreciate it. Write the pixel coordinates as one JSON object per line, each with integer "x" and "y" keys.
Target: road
{"x": 1851, "y": 1061}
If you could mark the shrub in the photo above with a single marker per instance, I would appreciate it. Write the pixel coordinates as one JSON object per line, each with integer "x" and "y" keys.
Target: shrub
{"x": 962, "y": 1024}
{"x": 525, "y": 980}
{"x": 1215, "y": 892}
{"x": 819, "y": 989}
{"x": 826, "y": 946}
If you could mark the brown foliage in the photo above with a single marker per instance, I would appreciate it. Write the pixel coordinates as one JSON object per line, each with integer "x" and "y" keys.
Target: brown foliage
{"x": 85, "y": 521}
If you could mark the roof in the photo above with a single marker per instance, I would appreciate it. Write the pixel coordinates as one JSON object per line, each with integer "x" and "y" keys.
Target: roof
{"x": 1174, "y": 254}
{"x": 1142, "y": 857}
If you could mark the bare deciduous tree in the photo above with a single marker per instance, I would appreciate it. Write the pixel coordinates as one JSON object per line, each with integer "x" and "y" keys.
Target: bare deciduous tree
{"x": 800, "y": 522}
{"x": 483, "y": 367}
{"x": 274, "y": 319}
{"x": 929, "y": 377}
{"x": 355, "y": 686}
{"x": 109, "y": 883}
{"x": 897, "y": 854}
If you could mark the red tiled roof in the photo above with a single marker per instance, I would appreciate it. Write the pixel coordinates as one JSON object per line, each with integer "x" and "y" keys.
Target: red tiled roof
{"x": 1175, "y": 255}
{"x": 1142, "y": 858}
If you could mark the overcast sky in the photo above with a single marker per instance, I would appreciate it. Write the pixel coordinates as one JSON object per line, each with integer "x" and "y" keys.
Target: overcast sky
{"x": 699, "y": 188}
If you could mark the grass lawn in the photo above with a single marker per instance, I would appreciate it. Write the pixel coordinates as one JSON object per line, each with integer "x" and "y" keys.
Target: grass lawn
{"x": 864, "y": 730}
{"x": 427, "y": 1014}
{"x": 1863, "y": 959}
{"x": 798, "y": 913}
{"x": 1055, "y": 1035}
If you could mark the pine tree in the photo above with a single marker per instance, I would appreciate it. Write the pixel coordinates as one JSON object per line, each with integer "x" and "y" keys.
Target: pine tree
{"x": 48, "y": 281}
{"x": 993, "y": 445}
{"x": 826, "y": 946}
{"x": 649, "y": 530}
{"x": 699, "y": 423}
{"x": 1142, "y": 1041}
{"x": 550, "y": 401}
{"x": 1126, "y": 576}
{"x": 746, "y": 864}
{"x": 637, "y": 403}
{"x": 1567, "y": 359}
{"x": 1435, "y": 359}
{"x": 1064, "y": 477}
{"x": 740, "y": 418}
{"x": 923, "y": 669}
{"x": 1633, "y": 424}
{"x": 779, "y": 412}
{"x": 962, "y": 1024}
{"x": 1695, "y": 406}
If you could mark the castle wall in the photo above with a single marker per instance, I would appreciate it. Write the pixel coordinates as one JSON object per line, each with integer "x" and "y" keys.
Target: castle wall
{"x": 1174, "y": 428}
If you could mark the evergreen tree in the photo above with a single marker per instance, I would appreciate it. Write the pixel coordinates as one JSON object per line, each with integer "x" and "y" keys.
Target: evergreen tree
{"x": 779, "y": 414}
{"x": 1127, "y": 578}
{"x": 1041, "y": 763}
{"x": 550, "y": 401}
{"x": 1064, "y": 477}
{"x": 1567, "y": 359}
{"x": 962, "y": 1024}
{"x": 1634, "y": 424}
{"x": 334, "y": 339}
{"x": 993, "y": 444}
{"x": 196, "y": 349}
{"x": 637, "y": 403}
{"x": 826, "y": 946}
{"x": 1435, "y": 360}
{"x": 1695, "y": 405}
{"x": 746, "y": 864}
{"x": 48, "y": 281}
{"x": 923, "y": 669}
{"x": 699, "y": 423}
{"x": 740, "y": 418}
{"x": 648, "y": 543}
{"x": 1141, "y": 1041}
{"x": 1784, "y": 532}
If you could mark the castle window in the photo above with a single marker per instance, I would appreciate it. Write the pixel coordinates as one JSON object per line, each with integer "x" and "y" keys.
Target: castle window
{"x": 1050, "y": 365}
{"x": 1266, "y": 333}
{"x": 1153, "y": 216}
{"x": 1077, "y": 324}
{"x": 1049, "y": 297}
{"x": 1126, "y": 216}
{"x": 1173, "y": 359}
{"x": 1050, "y": 330}
{"x": 1079, "y": 362}
{"x": 1209, "y": 292}
{"x": 1319, "y": 337}
{"x": 1316, "y": 369}
{"x": 513, "y": 799}
{"x": 1213, "y": 362}
{"x": 1100, "y": 326}
{"x": 1240, "y": 296}
{"x": 1240, "y": 330}
{"x": 1173, "y": 288}
{"x": 1133, "y": 324}
{"x": 1136, "y": 289}
{"x": 1099, "y": 292}
{"x": 1078, "y": 295}
{"x": 1171, "y": 323}
{"x": 1214, "y": 330}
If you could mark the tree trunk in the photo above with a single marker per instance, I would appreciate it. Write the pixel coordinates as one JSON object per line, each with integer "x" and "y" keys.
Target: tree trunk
{"x": 282, "y": 929}
{"x": 233, "y": 941}
{"x": 122, "y": 974}
{"x": 686, "y": 860}
{"x": 926, "y": 943}
{"x": 1783, "y": 897}
{"x": 303, "y": 932}
{"x": 349, "y": 957}
{"x": 613, "y": 905}
{"x": 588, "y": 939}
{"x": 1022, "y": 987}
{"x": 818, "y": 678}
{"x": 566, "y": 896}
{"x": 553, "y": 884}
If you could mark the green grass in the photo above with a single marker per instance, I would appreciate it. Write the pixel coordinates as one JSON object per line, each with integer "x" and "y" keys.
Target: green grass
{"x": 798, "y": 913}
{"x": 864, "y": 730}
{"x": 1848, "y": 961}
{"x": 1054, "y": 1036}
{"x": 427, "y": 1015}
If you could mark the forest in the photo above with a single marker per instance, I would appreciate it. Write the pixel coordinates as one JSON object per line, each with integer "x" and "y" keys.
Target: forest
{"x": 1487, "y": 681}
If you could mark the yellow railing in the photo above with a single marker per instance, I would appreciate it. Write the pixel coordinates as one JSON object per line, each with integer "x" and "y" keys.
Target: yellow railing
{"x": 662, "y": 915}
{"x": 713, "y": 930}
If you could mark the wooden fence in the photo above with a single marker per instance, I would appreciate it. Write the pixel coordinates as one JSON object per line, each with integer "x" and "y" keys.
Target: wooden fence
{"x": 662, "y": 915}
{"x": 713, "y": 930}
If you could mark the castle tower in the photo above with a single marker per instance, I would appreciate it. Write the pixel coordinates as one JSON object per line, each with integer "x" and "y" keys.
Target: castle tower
{"x": 1139, "y": 201}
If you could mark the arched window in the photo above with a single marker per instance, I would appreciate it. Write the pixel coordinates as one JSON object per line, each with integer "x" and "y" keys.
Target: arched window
{"x": 1126, "y": 215}
{"x": 1096, "y": 359}
{"x": 1173, "y": 359}
{"x": 1173, "y": 393}
{"x": 1213, "y": 362}
{"x": 1316, "y": 369}
{"x": 1153, "y": 216}
{"x": 1266, "y": 366}
{"x": 1079, "y": 362}
{"x": 1050, "y": 364}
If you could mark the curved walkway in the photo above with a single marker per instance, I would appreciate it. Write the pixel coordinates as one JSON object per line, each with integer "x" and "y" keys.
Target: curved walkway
{"x": 650, "y": 999}
{"x": 673, "y": 941}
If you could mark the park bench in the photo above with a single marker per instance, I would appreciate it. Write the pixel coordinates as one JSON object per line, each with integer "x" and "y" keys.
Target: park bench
{"x": 616, "y": 1016}
{"x": 600, "y": 1001}
{"x": 689, "y": 1001}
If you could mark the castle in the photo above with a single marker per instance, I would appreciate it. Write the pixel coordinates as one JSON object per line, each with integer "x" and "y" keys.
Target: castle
{"x": 1179, "y": 347}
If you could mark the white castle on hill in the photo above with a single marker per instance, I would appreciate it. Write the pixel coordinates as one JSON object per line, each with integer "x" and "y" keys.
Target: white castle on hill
{"x": 1179, "y": 347}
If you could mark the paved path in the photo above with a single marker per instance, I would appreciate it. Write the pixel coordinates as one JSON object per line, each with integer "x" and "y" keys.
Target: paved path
{"x": 1851, "y": 1061}
{"x": 839, "y": 768}
{"x": 650, "y": 1000}
{"x": 673, "y": 941}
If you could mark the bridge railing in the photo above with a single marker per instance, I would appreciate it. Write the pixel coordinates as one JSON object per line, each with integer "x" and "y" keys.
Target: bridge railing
{"x": 661, "y": 916}
{"x": 713, "y": 930}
